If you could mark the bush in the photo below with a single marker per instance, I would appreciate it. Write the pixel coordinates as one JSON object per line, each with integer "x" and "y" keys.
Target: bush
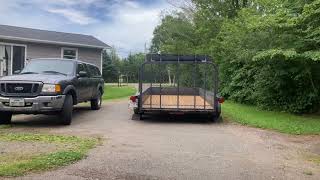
{"x": 285, "y": 86}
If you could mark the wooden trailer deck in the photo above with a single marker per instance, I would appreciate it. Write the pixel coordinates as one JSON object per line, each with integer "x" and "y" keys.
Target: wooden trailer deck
{"x": 171, "y": 102}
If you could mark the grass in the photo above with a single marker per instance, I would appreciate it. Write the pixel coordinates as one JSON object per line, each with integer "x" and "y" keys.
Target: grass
{"x": 5, "y": 126}
{"x": 314, "y": 158}
{"x": 309, "y": 173}
{"x": 73, "y": 149}
{"x": 278, "y": 121}
{"x": 115, "y": 92}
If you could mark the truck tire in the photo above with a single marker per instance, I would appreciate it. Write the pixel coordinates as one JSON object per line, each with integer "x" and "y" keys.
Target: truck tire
{"x": 67, "y": 109}
{"x": 96, "y": 103}
{"x": 5, "y": 117}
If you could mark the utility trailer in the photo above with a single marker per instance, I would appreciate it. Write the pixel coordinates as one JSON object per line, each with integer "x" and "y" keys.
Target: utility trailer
{"x": 178, "y": 84}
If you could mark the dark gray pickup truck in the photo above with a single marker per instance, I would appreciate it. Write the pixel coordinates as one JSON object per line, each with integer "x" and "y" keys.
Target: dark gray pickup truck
{"x": 50, "y": 86}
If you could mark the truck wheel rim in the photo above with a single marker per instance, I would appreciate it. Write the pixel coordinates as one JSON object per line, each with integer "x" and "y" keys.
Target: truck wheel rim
{"x": 99, "y": 101}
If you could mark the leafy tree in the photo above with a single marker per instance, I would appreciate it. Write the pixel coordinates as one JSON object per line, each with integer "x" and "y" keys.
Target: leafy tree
{"x": 110, "y": 66}
{"x": 268, "y": 51}
{"x": 174, "y": 35}
{"x": 131, "y": 65}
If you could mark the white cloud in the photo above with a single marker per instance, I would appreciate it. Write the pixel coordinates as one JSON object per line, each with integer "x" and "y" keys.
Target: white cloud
{"x": 132, "y": 26}
{"x": 64, "y": 3}
{"x": 73, "y": 16}
{"x": 70, "y": 2}
{"x": 125, "y": 24}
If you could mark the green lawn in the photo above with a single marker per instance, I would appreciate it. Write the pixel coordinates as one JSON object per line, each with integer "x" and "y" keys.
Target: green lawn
{"x": 278, "y": 121}
{"x": 19, "y": 163}
{"x": 115, "y": 92}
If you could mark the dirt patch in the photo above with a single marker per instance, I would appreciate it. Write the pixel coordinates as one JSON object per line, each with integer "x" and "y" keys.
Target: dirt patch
{"x": 315, "y": 149}
{"x": 24, "y": 147}
{"x": 17, "y": 151}
{"x": 292, "y": 152}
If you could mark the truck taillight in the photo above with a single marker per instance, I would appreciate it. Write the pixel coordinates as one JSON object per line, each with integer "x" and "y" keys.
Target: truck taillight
{"x": 133, "y": 98}
{"x": 221, "y": 100}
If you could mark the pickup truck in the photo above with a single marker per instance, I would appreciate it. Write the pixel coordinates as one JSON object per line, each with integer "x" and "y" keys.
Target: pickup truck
{"x": 50, "y": 86}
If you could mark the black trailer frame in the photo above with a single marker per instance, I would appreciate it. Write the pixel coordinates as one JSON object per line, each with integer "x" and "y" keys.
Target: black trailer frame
{"x": 194, "y": 60}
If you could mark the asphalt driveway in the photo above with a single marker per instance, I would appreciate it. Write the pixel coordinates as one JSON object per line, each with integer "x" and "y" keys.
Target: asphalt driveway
{"x": 161, "y": 148}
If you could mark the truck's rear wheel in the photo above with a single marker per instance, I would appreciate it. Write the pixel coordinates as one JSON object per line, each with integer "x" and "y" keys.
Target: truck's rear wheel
{"x": 5, "y": 117}
{"x": 96, "y": 103}
{"x": 67, "y": 109}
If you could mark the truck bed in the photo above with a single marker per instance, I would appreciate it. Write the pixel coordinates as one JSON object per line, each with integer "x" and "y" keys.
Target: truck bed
{"x": 170, "y": 102}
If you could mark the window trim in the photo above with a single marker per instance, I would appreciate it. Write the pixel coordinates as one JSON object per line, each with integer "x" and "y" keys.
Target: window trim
{"x": 11, "y": 54}
{"x": 66, "y": 48}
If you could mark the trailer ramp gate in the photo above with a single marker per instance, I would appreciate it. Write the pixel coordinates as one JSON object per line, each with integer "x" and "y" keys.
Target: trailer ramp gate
{"x": 178, "y": 83}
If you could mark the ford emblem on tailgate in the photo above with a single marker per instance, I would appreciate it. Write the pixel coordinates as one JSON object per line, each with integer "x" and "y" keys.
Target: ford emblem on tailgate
{"x": 18, "y": 88}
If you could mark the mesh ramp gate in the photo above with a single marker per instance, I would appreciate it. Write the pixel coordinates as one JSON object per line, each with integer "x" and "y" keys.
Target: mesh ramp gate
{"x": 178, "y": 83}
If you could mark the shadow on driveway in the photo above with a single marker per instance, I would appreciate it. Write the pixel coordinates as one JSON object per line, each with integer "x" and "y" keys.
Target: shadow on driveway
{"x": 48, "y": 120}
{"x": 175, "y": 119}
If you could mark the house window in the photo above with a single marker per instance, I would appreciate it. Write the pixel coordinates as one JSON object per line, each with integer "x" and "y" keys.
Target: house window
{"x": 69, "y": 53}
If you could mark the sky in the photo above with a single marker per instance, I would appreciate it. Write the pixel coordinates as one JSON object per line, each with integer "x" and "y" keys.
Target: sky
{"x": 124, "y": 24}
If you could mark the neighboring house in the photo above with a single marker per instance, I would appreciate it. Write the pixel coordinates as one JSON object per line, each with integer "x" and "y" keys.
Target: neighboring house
{"x": 18, "y": 45}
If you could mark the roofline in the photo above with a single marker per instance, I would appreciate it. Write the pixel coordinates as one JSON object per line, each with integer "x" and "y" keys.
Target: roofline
{"x": 61, "y": 59}
{"x": 53, "y": 42}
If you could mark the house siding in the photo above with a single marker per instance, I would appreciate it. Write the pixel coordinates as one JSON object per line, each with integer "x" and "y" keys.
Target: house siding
{"x": 40, "y": 50}
{"x": 90, "y": 55}
{"x": 43, "y": 51}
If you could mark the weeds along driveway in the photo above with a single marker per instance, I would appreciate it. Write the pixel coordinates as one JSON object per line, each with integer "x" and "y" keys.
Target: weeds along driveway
{"x": 159, "y": 148}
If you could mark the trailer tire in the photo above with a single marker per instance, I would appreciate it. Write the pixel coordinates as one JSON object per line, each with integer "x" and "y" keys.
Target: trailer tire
{"x": 217, "y": 118}
{"x": 141, "y": 116}
{"x": 136, "y": 111}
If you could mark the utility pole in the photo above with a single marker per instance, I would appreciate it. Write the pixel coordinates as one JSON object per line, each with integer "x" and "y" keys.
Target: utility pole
{"x": 145, "y": 48}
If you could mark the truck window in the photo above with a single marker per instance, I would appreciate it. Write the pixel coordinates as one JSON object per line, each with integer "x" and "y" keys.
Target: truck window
{"x": 98, "y": 71}
{"x": 88, "y": 70}
{"x": 81, "y": 68}
{"x": 41, "y": 66}
{"x": 93, "y": 71}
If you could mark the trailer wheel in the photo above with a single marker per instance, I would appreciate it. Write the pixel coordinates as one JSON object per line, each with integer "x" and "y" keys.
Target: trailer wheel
{"x": 217, "y": 118}
{"x": 136, "y": 111}
{"x": 141, "y": 116}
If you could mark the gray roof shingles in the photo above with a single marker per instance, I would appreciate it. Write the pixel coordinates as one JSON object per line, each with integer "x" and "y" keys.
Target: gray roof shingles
{"x": 36, "y": 35}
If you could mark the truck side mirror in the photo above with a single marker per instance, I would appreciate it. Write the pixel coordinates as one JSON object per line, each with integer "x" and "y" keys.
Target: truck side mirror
{"x": 83, "y": 74}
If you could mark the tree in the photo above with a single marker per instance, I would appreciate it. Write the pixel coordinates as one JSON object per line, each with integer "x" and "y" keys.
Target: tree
{"x": 174, "y": 35}
{"x": 268, "y": 51}
{"x": 131, "y": 66}
{"x": 111, "y": 66}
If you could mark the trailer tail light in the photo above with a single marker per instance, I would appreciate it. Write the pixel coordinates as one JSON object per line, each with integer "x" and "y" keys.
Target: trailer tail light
{"x": 133, "y": 98}
{"x": 221, "y": 100}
